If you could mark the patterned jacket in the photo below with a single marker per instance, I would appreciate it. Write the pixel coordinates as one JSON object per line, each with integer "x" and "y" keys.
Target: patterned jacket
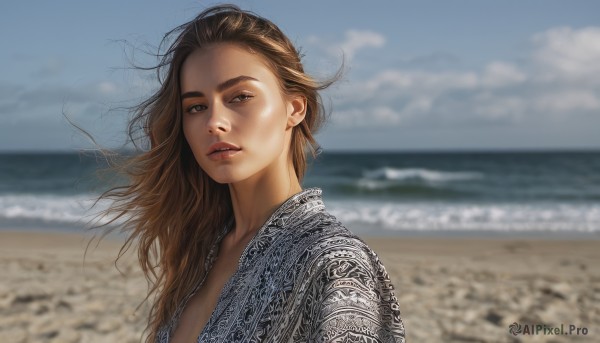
{"x": 303, "y": 278}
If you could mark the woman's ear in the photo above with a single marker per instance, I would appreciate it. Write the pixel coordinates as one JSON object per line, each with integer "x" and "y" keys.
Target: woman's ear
{"x": 296, "y": 110}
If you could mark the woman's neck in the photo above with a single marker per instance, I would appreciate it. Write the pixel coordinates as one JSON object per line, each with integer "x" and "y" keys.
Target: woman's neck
{"x": 254, "y": 200}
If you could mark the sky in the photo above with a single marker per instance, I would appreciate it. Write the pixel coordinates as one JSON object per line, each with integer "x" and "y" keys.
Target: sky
{"x": 418, "y": 75}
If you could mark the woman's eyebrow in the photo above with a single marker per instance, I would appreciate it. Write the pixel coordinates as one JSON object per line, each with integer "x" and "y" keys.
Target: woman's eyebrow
{"x": 221, "y": 87}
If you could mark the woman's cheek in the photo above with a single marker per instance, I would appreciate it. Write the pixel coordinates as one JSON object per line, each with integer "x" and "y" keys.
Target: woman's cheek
{"x": 190, "y": 132}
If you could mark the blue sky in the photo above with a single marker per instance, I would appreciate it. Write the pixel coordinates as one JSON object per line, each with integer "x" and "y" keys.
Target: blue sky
{"x": 420, "y": 75}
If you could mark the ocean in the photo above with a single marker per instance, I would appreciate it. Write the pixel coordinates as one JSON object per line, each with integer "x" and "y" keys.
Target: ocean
{"x": 544, "y": 194}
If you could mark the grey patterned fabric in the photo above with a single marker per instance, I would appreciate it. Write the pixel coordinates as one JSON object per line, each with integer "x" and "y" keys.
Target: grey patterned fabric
{"x": 303, "y": 278}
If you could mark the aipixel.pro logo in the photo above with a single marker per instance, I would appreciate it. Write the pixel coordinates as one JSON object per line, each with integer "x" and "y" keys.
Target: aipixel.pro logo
{"x": 541, "y": 329}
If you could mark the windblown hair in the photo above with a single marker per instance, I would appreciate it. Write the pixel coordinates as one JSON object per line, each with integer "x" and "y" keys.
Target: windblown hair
{"x": 170, "y": 208}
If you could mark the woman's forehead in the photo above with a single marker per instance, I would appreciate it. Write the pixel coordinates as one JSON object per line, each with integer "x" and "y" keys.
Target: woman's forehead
{"x": 216, "y": 63}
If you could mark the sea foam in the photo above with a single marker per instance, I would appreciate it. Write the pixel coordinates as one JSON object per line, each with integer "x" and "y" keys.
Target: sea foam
{"x": 43, "y": 209}
{"x": 428, "y": 216}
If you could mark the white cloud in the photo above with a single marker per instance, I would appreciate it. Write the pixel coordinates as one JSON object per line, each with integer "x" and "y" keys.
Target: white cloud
{"x": 567, "y": 101}
{"x": 418, "y": 81}
{"x": 419, "y": 104}
{"x": 569, "y": 53}
{"x": 502, "y": 74}
{"x": 374, "y": 117}
{"x": 559, "y": 81}
{"x": 357, "y": 40}
{"x": 354, "y": 41}
{"x": 48, "y": 100}
{"x": 498, "y": 108}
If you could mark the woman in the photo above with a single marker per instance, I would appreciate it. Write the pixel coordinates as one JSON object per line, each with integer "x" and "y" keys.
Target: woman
{"x": 235, "y": 249}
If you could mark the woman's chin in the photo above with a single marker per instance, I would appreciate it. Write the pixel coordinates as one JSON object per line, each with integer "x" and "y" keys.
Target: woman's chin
{"x": 225, "y": 179}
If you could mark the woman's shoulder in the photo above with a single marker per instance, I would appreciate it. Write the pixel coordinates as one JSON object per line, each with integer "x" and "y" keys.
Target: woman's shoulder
{"x": 331, "y": 242}
{"x": 354, "y": 297}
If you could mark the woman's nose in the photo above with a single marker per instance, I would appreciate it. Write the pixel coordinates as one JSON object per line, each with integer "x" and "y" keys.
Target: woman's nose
{"x": 217, "y": 120}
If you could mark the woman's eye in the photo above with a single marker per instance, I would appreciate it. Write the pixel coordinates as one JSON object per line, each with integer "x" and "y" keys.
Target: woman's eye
{"x": 242, "y": 97}
{"x": 195, "y": 108}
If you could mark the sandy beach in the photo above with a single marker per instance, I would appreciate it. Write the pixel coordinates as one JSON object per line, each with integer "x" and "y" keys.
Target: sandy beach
{"x": 449, "y": 289}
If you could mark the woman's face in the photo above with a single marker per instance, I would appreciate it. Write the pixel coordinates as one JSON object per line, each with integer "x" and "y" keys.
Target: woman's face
{"x": 229, "y": 95}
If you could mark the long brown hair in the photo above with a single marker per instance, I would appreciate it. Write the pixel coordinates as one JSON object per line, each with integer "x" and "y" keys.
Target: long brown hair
{"x": 169, "y": 207}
